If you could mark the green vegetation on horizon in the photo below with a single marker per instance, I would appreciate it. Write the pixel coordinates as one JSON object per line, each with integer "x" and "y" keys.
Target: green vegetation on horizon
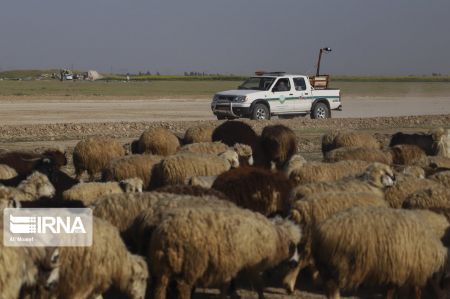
{"x": 201, "y": 89}
{"x": 34, "y": 74}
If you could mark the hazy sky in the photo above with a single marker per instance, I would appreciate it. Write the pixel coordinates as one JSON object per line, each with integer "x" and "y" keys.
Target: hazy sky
{"x": 391, "y": 37}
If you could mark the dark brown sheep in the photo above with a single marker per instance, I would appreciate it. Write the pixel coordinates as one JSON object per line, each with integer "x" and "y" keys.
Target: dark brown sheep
{"x": 190, "y": 190}
{"x": 26, "y": 162}
{"x": 232, "y": 132}
{"x": 422, "y": 140}
{"x": 279, "y": 144}
{"x": 257, "y": 189}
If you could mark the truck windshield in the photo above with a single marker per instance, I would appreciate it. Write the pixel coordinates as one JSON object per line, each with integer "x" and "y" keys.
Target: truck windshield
{"x": 257, "y": 83}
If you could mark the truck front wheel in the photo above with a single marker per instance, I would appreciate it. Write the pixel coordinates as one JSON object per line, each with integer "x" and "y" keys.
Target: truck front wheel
{"x": 260, "y": 111}
{"x": 320, "y": 110}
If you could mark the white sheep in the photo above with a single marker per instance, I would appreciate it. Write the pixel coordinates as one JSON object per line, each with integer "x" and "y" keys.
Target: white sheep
{"x": 7, "y": 172}
{"x": 177, "y": 169}
{"x": 35, "y": 186}
{"x": 88, "y": 193}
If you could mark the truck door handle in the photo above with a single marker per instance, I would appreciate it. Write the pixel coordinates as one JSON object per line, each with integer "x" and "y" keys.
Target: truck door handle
{"x": 291, "y": 94}
{"x": 306, "y": 93}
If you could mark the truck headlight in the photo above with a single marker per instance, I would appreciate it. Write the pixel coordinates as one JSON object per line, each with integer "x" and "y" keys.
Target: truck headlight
{"x": 215, "y": 98}
{"x": 240, "y": 99}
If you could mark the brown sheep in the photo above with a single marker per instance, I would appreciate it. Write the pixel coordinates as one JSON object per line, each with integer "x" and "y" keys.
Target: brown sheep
{"x": 376, "y": 247}
{"x": 158, "y": 141}
{"x": 407, "y": 154}
{"x": 314, "y": 172}
{"x": 352, "y": 139}
{"x": 94, "y": 154}
{"x": 375, "y": 179}
{"x": 441, "y": 177}
{"x": 316, "y": 208}
{"x": 435, "y": 197}
{"x": 279, "y": 144}
{"x": 328, "y": 141}
{"x": 88, "y": 272}
{"x": 358, "y": 153}
{"x": 202, "y": 133}
{"x": 232, "y": 132}
{"x": 209, "y": 247}
{"x": 256, "y": 189}
{"x": 139, "y": 166}
{"x": 395, "y": 195}
{"x": 121, "y": 210}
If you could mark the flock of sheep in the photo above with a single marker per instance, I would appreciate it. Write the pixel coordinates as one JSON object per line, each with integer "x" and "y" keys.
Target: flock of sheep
{"x": 224, "y": 206}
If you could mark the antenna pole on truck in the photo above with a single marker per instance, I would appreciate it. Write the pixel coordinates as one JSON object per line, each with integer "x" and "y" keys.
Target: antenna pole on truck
{"x": 320, "y": 58}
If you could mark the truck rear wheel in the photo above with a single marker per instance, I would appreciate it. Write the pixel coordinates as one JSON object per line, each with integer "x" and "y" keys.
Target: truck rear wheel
{"x": 260, "y": 111}
{"x": 320, "y": 110}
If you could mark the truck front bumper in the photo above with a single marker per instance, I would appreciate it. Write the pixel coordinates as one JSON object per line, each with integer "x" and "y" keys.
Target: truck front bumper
{"x": 230, "y": 109}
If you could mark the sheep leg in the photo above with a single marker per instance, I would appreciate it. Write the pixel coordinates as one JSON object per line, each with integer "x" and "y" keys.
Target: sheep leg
{"x": 390, "y": 293}
{"x": 161, "y": 287}
{"x": 417, "y": 292}
{"x": 91, "y": 176}
{"x": 229, "y": 289}
{"x": 291, "y": 278}
{"x": 333, "y": 291}
{"x": 184, "y": 289}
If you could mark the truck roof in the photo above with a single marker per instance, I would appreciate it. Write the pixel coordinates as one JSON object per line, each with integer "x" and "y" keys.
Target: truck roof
{"x": 276, "y": 74}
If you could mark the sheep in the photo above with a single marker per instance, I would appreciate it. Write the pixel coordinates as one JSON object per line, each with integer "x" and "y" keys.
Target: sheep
{"x": 441, "y": 138}
{"x": 122, "y": 209}
{"x": 201, "y": 181}
{"x": 139, "y": 166}
{"x": 256, "y": 189}
{"x": 403, "y": 172}
{"x": 210, "y": 247}
{"x": 88, "y": 193}
{"x": 442, "y": 178}
{"x": 245, "y": 154}
{"x": 94, "y": 154}
{"x": 426, "y": 141}
{"x": 407, "y": 154}
{"x": 158, "y": 141}
{"x": 202, "y": 133}
{"x": 438, "y": 162}
{"x": 376, "y": 247}
{"x": 177, "y": 169}
{"x": 314, "y": 172}
{"x": 88, "y": 272}
{"x": 395, "y": 195}
{"x": 312, "y": 210}
{"x": 25, "y": 268}
{"x": 191, "y": 190}
{"x": 204, "y": 148}
{"x": 7, "y": 172}
{"x": 375, "y": 179}
{"x": 232, "y": 132}
{"x": 328, "y": 140}
{"x": 295, "y": 162}
{"x": 435, "y": 197}
{"x": 358, "y": 153}
{"x": 349, "y": 139}
{"x": 34, "y": 187}
{"x": 24, "y": 163}
{"x": 279, "y": 144}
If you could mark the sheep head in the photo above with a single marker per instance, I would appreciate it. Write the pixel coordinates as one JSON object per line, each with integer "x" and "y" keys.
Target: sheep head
{"x": 37, "y": 185}
{"x": 232, "y": 157}
{"x": 379, "y": 175}
{"x": 137, "y": 283}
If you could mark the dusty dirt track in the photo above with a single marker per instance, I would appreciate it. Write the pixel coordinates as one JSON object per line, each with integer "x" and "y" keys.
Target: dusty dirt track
{"x": 38, "y": 110}
{"x": 35, "y": 123}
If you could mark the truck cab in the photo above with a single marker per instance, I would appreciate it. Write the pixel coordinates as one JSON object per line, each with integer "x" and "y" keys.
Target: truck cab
{"x": 269, "y": 94}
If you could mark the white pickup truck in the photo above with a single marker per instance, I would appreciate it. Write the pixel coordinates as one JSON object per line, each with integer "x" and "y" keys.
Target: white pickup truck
{"x": 268, "y": 94}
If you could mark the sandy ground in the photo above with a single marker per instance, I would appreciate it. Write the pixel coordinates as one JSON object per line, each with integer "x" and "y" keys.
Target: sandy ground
{"x": 29, "y": 110}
